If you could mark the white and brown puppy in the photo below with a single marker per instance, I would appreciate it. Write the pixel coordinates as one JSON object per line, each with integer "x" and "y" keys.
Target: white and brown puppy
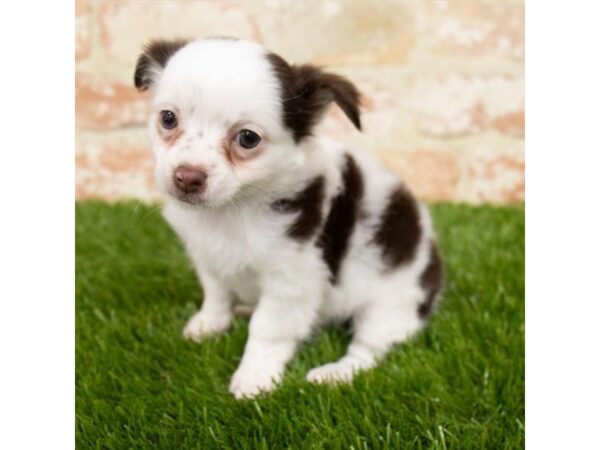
{"x": 304, "y": 229}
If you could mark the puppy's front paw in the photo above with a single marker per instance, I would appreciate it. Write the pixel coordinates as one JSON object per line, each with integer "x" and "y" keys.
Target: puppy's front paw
{"x": 249, "y": 382}
{"x": 337, "y": 372}
{"x": 203, "y": 325}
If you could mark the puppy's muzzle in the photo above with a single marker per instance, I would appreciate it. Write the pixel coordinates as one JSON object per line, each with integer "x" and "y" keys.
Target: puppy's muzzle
{"x": 190, "y": 180}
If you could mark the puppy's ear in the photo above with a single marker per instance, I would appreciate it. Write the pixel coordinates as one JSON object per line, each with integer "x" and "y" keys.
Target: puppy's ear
{"x": 307, "y": 91}
{"x": 153, "y": 60}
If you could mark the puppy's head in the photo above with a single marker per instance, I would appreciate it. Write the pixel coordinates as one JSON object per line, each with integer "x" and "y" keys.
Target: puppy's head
{"x": 228, "y": 118}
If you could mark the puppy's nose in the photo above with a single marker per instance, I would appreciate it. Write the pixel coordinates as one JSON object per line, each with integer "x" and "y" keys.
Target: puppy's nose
{"x": 189, "y": 179}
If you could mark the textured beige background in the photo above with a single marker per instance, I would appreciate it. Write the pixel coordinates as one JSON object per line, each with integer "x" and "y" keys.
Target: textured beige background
{"x": 443, "y": 83}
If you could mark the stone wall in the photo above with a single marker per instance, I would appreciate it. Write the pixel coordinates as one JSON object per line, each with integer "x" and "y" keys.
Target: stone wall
{"x": 443, "y": 84}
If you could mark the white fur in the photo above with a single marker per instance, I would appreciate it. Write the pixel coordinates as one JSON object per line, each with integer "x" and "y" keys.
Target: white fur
{"x": 237, "y": 242}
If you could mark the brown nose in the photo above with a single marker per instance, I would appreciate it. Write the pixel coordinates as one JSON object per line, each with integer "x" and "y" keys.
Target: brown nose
{"x": 189, "y": 179}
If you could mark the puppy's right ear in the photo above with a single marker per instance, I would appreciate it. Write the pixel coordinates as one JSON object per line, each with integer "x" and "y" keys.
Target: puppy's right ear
{"x": 153, "y": 60}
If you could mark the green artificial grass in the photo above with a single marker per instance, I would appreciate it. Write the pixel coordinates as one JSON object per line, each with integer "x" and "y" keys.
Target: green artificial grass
{"x": 459, "y": 384}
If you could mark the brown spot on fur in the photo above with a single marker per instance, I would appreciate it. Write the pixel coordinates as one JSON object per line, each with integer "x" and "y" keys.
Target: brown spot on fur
{"x": 156, "y": 53}
{"x": 400, "y": 229}
{"x": 308, "y": 206}
{"x": 342, "y": 218}
{"x": 431, "y": 281}
{"x": 307, "y": 90}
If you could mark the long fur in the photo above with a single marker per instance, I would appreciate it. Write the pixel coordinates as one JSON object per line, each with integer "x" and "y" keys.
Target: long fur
{"x": 303, "y": 229}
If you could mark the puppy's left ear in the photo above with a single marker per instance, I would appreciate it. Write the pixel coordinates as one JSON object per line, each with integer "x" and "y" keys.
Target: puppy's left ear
{"x": 153, "y": 60}
{"x": 307, "y": 90}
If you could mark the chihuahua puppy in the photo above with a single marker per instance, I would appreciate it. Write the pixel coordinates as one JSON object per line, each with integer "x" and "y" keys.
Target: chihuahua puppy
{"x": 304, "y": 229}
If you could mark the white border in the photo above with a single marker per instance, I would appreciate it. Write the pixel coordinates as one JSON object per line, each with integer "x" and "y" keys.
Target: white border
{"x": 37, "y": 373}
{"x": 563, "y": 224}
{"x": 37, "y": 234}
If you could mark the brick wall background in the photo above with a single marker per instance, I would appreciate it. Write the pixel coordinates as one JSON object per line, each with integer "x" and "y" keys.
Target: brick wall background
{"x": 443, "y": 83}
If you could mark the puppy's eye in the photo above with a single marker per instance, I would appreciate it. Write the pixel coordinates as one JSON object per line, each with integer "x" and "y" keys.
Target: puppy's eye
{"x": 248, "y": 138}
{"x": 168, "y": 119}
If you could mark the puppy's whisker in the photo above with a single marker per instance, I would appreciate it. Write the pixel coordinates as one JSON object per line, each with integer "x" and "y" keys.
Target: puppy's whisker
{"x": 150, "y": 212}
{"x": 260, "y": 189}
{"x": 135, "y": 209}
{"x": 246, "y": 192}
{"x": 146, "y": 215}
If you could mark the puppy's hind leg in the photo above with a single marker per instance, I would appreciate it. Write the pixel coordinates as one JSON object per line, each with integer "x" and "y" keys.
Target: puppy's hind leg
{"x": 376, "y": 329}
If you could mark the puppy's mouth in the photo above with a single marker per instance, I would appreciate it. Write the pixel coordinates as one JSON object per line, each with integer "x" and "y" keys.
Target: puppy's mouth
{"x": 196, "y": 199}
{"x": 191, "y": 198}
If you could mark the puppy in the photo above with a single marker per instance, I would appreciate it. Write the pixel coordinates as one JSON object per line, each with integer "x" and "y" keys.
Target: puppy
{"x": 304, "y": 229}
